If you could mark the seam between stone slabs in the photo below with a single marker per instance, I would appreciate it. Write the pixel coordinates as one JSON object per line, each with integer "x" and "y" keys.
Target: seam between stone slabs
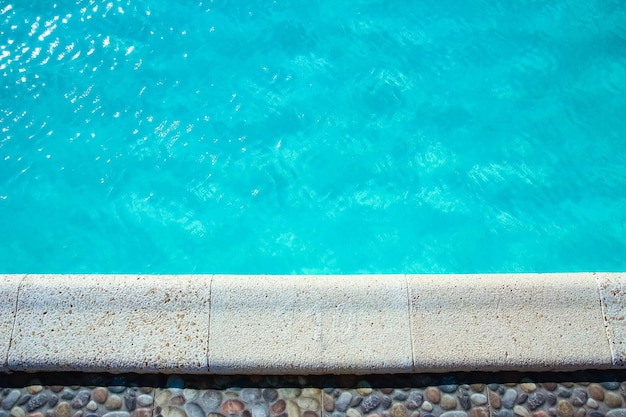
{"x": 208, "y": 325}
{"x": 408, "y": 307}
{"x": 605, "y": 320}
{"x": 17, "y": 299}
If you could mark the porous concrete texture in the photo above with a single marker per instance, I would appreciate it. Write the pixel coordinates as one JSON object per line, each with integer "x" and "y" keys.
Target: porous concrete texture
{"x": 507, "y": 322}
{"x": 613, "y": 296}
{"x": 309, "y": 324}
{"x": 230, "y": 324}
{"x": 114, "y": 323}
{"x": 9, "y": 286}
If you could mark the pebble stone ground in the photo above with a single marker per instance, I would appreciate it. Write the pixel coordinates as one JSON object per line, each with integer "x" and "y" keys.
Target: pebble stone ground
{"x": 581, "y": 394}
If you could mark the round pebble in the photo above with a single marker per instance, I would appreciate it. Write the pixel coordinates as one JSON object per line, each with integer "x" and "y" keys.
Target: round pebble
{"x": 353, "y": 412}
{"x": 564, "y": 409}
{"x": 37, "y": 401}
{"x": 520, "y": 411}
{"x": 81, "y": 399}
{"x": 398, "y": 410}
{"x": 540, "y": 413}
{"x": 579, "y": 397}
{"x": 477, "y": 387}
{"x": 100, "y": 394}
{"x": 343, "y": 401}
{"x": 591, "y": 403}
{"x": 612, "y": 399}
{"x": 494, "y": 399}
{"x": 455, "y": 413}
{"x": 17, "y": 412}
{"x": 117, "y": 414}
{"x": 270, "y": 395}
{"x": 144, "y": 400}
{"x": 114, "y": 402}
{"x": 11, "y": 399}
{"x": 618, "y": 412}
{"x": 536, "y": 400}
{"x": 328, "y": 402}
{"x": 232, "y": 407}
{"x": 528, "y": 387}
{"x": 142, "y": 412}
{"x": 278, "y": 407}
{"x": 34, "y": 389}
{"x": 364, "y": 391}
{"x": 250, "y": 395}
{"x": 259, "y": 410}
{"x": 596, "y": 392}
{"x": 427, "y": 406}
{"x": 63, "y": 410}
{"x": 509, "y": 397}
{"x": 92, "y": 406}
{"x": 550, "y": 386}
{"x": 307, "y": 403}
{"x": 210, "y": 400}
{"x": 370, "y": 403}
{"x": 448, "y": 402}
{"x": 194, "y": 410}
{"x": 432, "y": 394}
{"x": 289, "y": 393}
{"x": 478, "y": 399}
{"x": 610, "y": 385}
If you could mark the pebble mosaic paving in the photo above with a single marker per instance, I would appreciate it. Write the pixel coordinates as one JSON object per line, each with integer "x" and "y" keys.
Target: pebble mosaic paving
{"x": 595, "y": 394}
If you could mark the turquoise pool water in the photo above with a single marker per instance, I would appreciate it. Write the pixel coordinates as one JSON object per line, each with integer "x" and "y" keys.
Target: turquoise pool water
{"x": 312, "y": 136}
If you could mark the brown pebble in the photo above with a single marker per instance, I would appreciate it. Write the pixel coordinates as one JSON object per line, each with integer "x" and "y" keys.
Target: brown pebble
{"x": 100, "y": 395}
{"x": 540, "y": 413}
{"x": 612, "y": 400}
{"x": 386, "y": 391}
{"x": 494, "y": 399}
{"x": 550, "y": 386}
{"x": 56, "y": 388}
{"x": 38, "y": 414}
{"x": 564, "y": 409}
{"x": 479, "y": 412}
{"x": 146, "y": 390}
{"x": 581, "y": 412}
{"x": 178, "y": 400}
{"x": 279, "y": 406}
{"x": 596, "y": 392}
{"x": 433, "y": 395}
{"x": 369, "y": 415}
{"x": 415, "y": 414}
{"x": 398, "y": 410}
{"x": 328, "y": 403}
{"x": 63, "y": 409}
{"x": 232, "y": 407}
{"x": 477, "y": 387}
{"x": 567, "y": 384}
{"x": 142, "y": 412}
{"x": 528, "y": 387}
{"x": 79, "y": 413}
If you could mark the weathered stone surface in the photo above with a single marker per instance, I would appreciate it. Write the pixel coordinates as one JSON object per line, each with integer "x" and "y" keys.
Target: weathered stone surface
{"x": 564, "y": 408}
{"x": 494, "y": 399}
{"x": 612, "y": 399}
{"x": 343, "y": 401}
{"x": 63, "y": 409}
{"x": 398, "y": 410}
{"x": 509, "y": 398}
{"x": 448, "y": 402}
{"x": 433, "y": 395}
{"x": 596, "y": 392}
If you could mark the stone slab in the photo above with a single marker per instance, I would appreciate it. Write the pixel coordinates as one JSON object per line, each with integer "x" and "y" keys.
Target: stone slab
{"x": 507, "y": 322}
{"x": 9, "y": 286}
{"x": 309, "y": 324}
{"x": 114, "y": 323}
{"x": 613, "y": 296}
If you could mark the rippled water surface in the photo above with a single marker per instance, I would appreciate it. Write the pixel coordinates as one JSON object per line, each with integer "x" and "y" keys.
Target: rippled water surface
{"x": 312, "y": 136}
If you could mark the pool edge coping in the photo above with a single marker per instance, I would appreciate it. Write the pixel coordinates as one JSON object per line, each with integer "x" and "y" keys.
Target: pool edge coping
{"x": 313, "y": 324}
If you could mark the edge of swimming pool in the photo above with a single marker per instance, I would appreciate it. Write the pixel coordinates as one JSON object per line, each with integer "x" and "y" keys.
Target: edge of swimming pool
{"x": 325, "y": 324}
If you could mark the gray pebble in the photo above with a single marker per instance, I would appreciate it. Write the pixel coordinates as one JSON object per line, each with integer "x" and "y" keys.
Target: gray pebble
{"x": 250, "y": 395}
{"x": 464, "y": 400}
{"x": 610, "y": 385}
{"x": 449, "y": 388}
{"x": 116, "y": 414}
{"x": 11, "y": 399}
{"x": 338, "y": 414}
{"x": 53, "y": 400}
{"x": 478, "y": 399}
{"x": 400, "y": 396}
{"x": 260, "y": 410}
{"x": 453, "y": 413}
{"x": 270, "y": 394}
{"x": 144, "y": 400}
{"x": 509, "y": 397}
{"x": 416, "y": 399}
{"x": 4, "y": 413}
{"x": 210, "y": 400}
{"x": 594, "y": 413}
{"x": 386, "y": 402}
{"x": 81, "y": 399}
{"x": 579, "y": 397}
{"x": 343, "y": 401}
{"x": 536, "y": 400}
{"x": 24, "y": 399}
{"x": 521, "y": 398}
{"x": 117, "y": 389}
{"x": 507, "y": 413}
{"x": 91, "y": 415}
{"x": 370, "y": 403}
{"x": 37, "y": 401}
{"x": 618, "y": 412}
{"x": 194, "y": 410}
{"x": 356, "y": 401}
{"x": 68, "y": 394}
{"x": 493, "y": 387}
{"x": 564, "y": 393}
{"x": 130, "y": 400}
{"x": 550, "y": 398}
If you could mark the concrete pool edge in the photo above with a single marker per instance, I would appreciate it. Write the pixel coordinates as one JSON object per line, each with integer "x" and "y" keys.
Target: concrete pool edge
{"x": 350, "y": 324}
